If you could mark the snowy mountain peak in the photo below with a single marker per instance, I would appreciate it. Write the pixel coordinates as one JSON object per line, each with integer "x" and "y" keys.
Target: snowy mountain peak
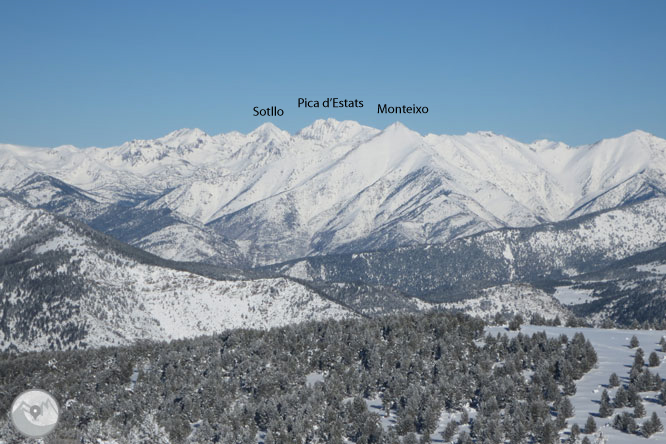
{"x": 267, "y": 128}
{"x": 334, "y": 131}
{"x": 636, "y": 138}
{"x": 400, "y": 136}
{"x": 66, "y": 149}
{"x": 329, "y": 123}
{"x": 184, "y": 136}
{"x": 398, "y": 126}
{"x": 322, "y": 129}
{"x": 655, "y": 144}
{"x": 268, "y": 132}
{"x": 639, "y": 133}
{"x": 174, "y": 145}
{"x": 486, "y": 133}
{"x": 546, "y": 145}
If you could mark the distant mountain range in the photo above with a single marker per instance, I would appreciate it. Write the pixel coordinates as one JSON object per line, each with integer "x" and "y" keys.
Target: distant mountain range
{"x": 334, "y": 187}
{"x": 204, "y": 233}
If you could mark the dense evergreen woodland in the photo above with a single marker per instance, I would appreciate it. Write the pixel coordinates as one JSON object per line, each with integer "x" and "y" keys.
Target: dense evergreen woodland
{"x": 388, "y": 380}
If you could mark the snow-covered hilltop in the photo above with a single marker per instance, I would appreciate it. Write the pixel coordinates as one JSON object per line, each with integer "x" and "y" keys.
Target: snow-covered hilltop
{"x": 340, "y": 186}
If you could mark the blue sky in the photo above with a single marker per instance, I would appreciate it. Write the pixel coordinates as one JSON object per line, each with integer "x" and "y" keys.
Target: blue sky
{"x": 100, "y": 73}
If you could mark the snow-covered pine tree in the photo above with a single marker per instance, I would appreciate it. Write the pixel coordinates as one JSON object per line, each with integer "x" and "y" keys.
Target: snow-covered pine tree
{"x": 565, "y": 408}
{"x": 639, "y": 410}
{"x": 653, "y": 360}
{"x": 605, "y": 408}
{"x": 621, "y": 398}
{"x": 633, "y": 343}
{"x": 449, "y": 431}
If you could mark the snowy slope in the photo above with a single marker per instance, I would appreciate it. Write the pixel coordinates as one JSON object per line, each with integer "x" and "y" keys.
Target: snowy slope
{"x": 169, "y": 235}
{"x": 340, "y": 186}
{"x": 47, "y": 192}
{"x": 190, "y": 243}
{"x": 630, "y": 289}
{"x": 555, "y": 251}
{"x": 65, "y": 285}
{"x": 510, "y": 300}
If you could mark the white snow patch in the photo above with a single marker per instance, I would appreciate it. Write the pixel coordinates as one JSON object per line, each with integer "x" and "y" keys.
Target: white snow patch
{"x": 507, "y": 253}
{"x": 654, "y": 268}
{"x": 313, "y": 378}
{"x": 570, "y": 296}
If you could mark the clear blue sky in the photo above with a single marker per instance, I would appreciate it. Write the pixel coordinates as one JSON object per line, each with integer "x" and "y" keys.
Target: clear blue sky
{"x": 103, "y": 72}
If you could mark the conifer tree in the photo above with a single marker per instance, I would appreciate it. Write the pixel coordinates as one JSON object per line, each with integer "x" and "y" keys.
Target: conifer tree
{"x": 639, "y": 410}
{"x": 632, "y": 395}
{"x": 657, "y": 426}
{"x": 569, "y": 387}
{"x": 625, "y": 422}
{"x": 621, "y": 398}
{"x": 425, "y": 439}
{"x": 614, "y": 380}
{"x": 605, "y": 409}
{"x": 516, "y": 322}
{"x": 575, "y": 432}
{"x": 649, "y": 427}
{"x": 547, "y": 432}
{"x": 653, "y": 360}
{"x": 639, "y": 358}
{"x": 449, "y": 431}
{"x": 633, "y": 343}
{"x": 565, "y": 408}
{"x": 410, "y": 438}
{"x": 590, "y": 425}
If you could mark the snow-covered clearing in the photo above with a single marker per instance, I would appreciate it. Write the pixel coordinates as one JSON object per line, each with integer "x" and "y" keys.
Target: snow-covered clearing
{"x": 572, "y": 296}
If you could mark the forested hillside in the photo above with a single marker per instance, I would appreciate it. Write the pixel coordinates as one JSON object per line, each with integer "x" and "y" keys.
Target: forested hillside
{"x": 361, "y": 381}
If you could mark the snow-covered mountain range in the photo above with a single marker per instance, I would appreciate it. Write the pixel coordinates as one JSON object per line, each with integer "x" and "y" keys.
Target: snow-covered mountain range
{"x": 333, "y": 187}
{"x": 67, "y": 286}
{"x": 345, "y": 220}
